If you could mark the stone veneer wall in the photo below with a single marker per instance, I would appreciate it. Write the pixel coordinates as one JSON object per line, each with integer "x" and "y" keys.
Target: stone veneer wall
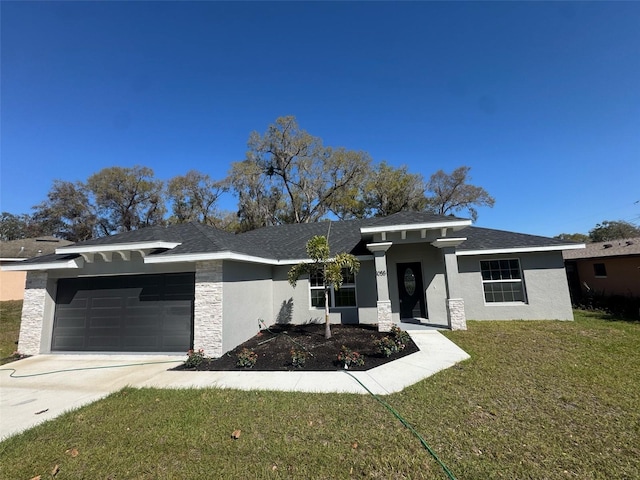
{"x": 385, "y": 322}
{"x": 457, "y": 317}
{"x": 35, "y": 295}
{"x": 207, "y": 323}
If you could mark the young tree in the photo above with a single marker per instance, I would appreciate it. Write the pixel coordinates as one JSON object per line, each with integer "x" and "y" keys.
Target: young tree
{"x": 329, "y": 269}
{"x": 452, "y": 193}
{"x": 193, "y": 198}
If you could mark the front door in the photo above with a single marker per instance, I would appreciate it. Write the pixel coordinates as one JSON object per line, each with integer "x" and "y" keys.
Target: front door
{"x": 410, "y": 290}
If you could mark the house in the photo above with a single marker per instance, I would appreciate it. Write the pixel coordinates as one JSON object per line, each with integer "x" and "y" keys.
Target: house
{"x": 13, "y": 251}
{"x": 605, "y": 268}
{"x": 193, "y": 286}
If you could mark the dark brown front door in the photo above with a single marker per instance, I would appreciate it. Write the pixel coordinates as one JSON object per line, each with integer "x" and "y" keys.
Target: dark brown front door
{"x": 410, "y": 290}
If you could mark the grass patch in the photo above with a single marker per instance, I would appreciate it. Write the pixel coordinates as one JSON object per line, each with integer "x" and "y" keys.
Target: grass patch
{"x": 10, "y": 312}
{"x": 552, "y": 400}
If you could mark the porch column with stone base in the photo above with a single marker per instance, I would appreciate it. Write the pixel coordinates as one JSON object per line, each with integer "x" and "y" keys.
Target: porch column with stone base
{"x": 457, "y": 317}
{"x": 385, "y": 322}
{"x": 379, "y": 250}
{"x": 455, "y": 303}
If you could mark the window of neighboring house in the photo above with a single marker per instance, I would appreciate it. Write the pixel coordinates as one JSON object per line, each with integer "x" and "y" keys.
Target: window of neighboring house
{"x": 600, "y": 270}
{"x": 345, "y": 296}
{"x": 502, "y": 281}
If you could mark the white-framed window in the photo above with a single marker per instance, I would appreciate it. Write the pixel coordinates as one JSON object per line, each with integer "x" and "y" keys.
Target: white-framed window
{"x": 345, "y": 296}
{"x": 502, "y": 281}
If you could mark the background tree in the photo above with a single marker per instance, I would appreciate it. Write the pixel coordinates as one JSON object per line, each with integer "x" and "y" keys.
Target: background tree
{"x": 391, "y": 190}
{"x": 573, "y": 237}
{"x": 613, "y": 230}
{"x": 258, "y": 202}
{"x": 451, "y": 193}
{"x": 330, "y": 270}
{"x": 126, "y": 199}
{"x": 193, "y": 198}
{"x": 15, "y": 227}
{"x": 67, "y": 212}
{"x": 298, "y": 178}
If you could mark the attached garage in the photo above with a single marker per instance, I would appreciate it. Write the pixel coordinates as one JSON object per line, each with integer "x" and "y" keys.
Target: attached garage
{"x": 129, "y": 313}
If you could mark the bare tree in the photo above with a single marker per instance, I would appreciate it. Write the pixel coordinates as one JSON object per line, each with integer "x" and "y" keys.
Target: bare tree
{"x": 451, "y": 193}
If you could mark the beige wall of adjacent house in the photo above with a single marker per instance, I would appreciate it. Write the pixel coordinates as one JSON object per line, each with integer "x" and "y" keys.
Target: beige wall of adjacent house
{"x": 545, "y": 282}
{"x": 12, "y": 285}
{"x": 623, "y": 275}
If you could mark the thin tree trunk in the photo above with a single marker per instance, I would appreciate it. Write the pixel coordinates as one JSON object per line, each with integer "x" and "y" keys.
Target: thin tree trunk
{"x": 327, "y": 326}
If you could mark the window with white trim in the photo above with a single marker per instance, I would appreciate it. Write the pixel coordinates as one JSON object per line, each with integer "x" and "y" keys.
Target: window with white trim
{"x": 345, "y": 296}
{"x": 502, "y": 281}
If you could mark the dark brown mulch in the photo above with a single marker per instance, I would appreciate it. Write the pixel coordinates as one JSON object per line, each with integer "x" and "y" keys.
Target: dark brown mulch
{"x": 273, "y": 347}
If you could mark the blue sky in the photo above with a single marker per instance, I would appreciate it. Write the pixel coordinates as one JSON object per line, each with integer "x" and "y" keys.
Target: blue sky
{"x": 540, "y": 99}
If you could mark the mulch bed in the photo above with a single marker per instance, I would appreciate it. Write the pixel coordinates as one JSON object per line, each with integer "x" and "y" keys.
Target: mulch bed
{"x": 273, "y": 347}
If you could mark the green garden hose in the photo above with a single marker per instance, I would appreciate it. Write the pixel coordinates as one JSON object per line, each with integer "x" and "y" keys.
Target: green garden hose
{"x": 13, "y": 370}
{"x": 406, "y": 424}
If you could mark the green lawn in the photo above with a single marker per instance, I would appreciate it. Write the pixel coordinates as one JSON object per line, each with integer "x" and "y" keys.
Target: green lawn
{"x": 9, "y": 328}
{"x": 537, "y": 400}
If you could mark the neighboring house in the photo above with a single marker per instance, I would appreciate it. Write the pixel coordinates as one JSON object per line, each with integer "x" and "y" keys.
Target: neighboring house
{"x": 13, "y": 251}
{"x": 193, "y": 286}
{"x": 605, "y": 268}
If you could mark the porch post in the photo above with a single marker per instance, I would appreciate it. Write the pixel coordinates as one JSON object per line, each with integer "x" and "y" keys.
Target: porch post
{"x": 455, "y": 302}
{"x": 383, "y": 304}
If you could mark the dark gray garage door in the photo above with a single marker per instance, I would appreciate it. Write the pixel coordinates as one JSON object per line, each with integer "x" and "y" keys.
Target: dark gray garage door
{"x": 134, "y": 313}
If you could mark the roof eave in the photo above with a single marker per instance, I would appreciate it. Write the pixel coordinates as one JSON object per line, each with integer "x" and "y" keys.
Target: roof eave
{"x": 117, "y": 247}
{"x": 55, "y": 265}
{"x": 509, "y": 250}
{"x": 453, "y": 224}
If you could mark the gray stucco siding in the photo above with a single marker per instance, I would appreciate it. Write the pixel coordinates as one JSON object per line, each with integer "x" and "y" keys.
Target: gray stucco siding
{"x": 247, "y": 299}
{"x": 545, "y": 283}
{"x": 294, "y": 304}
{"x": 433, "y": 278}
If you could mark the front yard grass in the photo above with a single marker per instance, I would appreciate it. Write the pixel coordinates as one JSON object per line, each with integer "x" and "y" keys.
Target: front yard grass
{"x": 537, "y": 400}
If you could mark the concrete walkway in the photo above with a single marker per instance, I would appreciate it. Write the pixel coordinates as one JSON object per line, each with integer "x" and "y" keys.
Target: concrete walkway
{"x": 29, "y": 398}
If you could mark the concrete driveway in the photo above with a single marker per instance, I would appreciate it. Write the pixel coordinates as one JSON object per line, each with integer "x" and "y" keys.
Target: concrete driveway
{"x": 30, "y": 398}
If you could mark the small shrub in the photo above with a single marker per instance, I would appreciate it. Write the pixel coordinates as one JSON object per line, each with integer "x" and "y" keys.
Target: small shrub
{"x": 395, "y": 342}
{"x": 348, "y": 358}
{"x": 386, "y": 346}
{"x": 194, "y": 358}
{"x": 247, "y": 358}
{"x": 298, "y": 358}
{"x": 400, "y": 337}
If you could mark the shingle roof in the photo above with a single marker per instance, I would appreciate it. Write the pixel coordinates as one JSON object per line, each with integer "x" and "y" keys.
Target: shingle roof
{"x": 489, "y": 239}
{"x": 30, "y": 247}
{"x": 613, "y": 248}
{"x": 408, "y": 218}
{"x": 288, "y": 242}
